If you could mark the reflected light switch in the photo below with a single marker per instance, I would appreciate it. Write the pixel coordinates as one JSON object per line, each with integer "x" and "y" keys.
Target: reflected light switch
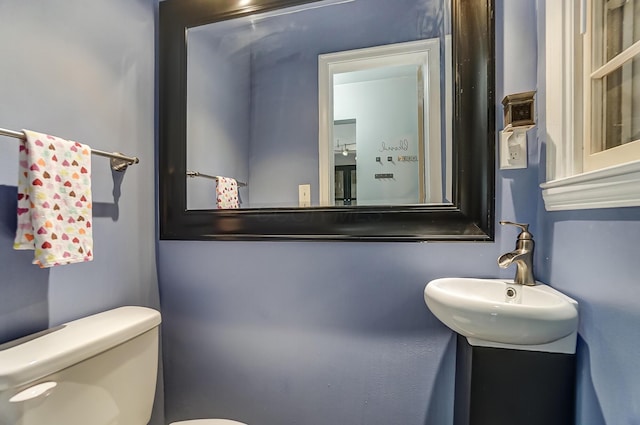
{"x": 304, "y": 195}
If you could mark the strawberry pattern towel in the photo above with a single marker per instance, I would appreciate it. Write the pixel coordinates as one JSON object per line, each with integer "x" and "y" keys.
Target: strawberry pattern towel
{"x": 54, "y": 200}
{"x": 227, "y": 192}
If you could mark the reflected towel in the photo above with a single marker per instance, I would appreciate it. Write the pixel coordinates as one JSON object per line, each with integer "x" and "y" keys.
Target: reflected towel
{"x": 54, "y": 200}
{"x": 227, "y": 193}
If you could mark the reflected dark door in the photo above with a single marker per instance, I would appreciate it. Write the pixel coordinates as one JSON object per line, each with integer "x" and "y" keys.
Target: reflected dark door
{"x": 346, "y": 185}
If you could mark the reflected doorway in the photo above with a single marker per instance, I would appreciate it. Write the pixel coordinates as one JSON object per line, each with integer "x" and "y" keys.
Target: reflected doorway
{"x": 346, "y": 185}
{"x": 345, "y": 160}
{"x": 393, "y": 92}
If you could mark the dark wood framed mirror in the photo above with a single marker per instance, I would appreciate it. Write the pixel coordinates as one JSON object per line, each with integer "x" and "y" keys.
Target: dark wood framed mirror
{"x": 467, "y": 216}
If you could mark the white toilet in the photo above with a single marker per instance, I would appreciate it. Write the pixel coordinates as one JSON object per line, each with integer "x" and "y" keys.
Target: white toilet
{"x": 99, "y": 370}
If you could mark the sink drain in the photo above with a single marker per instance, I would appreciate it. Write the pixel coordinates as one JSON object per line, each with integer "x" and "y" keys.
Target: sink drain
{"x": 511, "y": 292}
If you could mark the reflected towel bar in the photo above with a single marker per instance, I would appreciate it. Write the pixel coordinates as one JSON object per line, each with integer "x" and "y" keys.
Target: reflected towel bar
{"x": 193, "y": 174}
{"x": 119, "y": 162}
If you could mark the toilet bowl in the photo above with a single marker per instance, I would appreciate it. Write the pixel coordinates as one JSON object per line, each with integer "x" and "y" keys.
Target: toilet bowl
{"x": 97, "y": 370}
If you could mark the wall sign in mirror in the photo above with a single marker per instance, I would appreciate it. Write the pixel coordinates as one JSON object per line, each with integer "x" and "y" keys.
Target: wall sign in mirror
{"x": 309, "y": 102}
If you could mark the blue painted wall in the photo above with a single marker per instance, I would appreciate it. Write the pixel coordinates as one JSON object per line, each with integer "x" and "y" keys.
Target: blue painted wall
{"x": 289, "y": 333}
{"x": 592, "y": 256}
{"x": 82, "y": 70}
{"x": 313, "y": 333}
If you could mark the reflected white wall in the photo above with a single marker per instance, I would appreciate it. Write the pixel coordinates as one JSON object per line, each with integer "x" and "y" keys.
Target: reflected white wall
{"x": 386, "y": 114}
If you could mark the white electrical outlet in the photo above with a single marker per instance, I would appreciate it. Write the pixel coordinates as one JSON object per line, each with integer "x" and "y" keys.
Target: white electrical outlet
{"x": 513, "y": 149}
{"x": 304, "y": 195}
{"x": 514, "y": 153}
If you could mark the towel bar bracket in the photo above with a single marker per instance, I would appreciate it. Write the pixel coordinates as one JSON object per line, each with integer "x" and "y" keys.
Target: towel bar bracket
{"x": 118, "y": 164}
{"x": 121, "y": 164}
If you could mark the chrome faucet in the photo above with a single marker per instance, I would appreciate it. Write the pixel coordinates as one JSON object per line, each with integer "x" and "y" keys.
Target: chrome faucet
{"x": 522, "y": 256}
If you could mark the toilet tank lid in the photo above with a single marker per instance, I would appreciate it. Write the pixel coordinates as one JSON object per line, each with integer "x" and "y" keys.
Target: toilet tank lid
{"x": 72, "y": 343}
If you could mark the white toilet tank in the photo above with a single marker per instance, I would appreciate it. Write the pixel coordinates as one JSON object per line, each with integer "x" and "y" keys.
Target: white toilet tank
{"x": 98, "y": 370}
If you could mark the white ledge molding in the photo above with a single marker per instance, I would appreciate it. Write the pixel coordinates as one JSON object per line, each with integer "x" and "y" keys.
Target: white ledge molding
{"x": 612, "y": 187}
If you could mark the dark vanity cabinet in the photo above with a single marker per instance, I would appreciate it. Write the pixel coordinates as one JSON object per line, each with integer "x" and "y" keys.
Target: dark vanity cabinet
{"x": 497, "y": 386}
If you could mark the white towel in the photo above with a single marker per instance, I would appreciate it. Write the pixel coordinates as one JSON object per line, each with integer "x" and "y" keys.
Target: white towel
{"x": 54, "y": 200}
{"x": 227, "y": 193}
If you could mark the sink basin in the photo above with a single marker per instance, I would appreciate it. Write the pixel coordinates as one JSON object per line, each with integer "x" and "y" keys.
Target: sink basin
{"x": 500, "y": 311}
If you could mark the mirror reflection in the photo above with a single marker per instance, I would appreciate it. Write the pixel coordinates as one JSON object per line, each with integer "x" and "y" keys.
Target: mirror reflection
{"x": 331, "y": 103}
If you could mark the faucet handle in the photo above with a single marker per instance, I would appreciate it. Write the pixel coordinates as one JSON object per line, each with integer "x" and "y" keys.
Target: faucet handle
{"x": 525, "y": 229}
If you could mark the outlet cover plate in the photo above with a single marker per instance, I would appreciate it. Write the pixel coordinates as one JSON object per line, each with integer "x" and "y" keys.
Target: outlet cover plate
{"x": 513, "y": 149}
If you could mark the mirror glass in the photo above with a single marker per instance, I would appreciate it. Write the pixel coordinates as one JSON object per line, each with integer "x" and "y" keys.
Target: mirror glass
{"x": 330, "y": 103}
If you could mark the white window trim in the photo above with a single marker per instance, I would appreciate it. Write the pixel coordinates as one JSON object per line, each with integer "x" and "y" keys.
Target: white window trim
{"x": 567, "y": 187}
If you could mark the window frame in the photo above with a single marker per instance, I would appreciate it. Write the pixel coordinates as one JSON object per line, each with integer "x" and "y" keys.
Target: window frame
{"x": 594, "y": 160}
{"x": 568, "y": 187}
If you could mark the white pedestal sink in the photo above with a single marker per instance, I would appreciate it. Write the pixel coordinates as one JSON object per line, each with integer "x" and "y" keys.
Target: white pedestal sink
{"x": 516, "y": 344}
{"x": 498, "y": 313}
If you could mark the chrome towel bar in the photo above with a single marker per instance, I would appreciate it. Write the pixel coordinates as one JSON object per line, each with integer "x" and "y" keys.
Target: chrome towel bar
{"x": 119, "y": 162}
